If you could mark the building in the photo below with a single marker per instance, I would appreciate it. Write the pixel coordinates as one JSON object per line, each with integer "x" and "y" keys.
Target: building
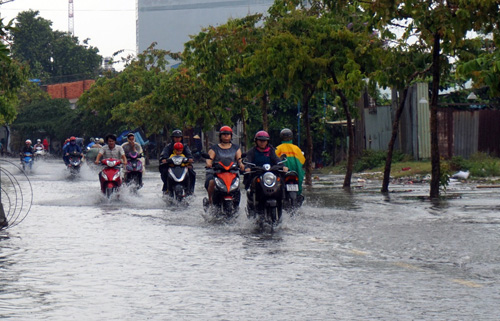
{"x": 169, "y": 23}
{"x": 69, "y": 90}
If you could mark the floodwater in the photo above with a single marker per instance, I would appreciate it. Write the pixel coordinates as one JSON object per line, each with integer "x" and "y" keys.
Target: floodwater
{"x": 345, "y": 256}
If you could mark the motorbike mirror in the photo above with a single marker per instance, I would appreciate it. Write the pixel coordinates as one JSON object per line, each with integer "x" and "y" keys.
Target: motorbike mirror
{"x": 243, "y": 155}
{"x": 283, "y": 157}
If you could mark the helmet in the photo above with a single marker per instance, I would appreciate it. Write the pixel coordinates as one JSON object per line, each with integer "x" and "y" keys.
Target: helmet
{"x": 286, "y": 134}
{"x": 38, "y": 140}
{"x": 28, "y": 141}
{"x": 178, "y": 146}
{"x": 101, "y": 140}
{"x": 176, "y": 133}
{"x": 262, "y": 135}
{"x": 72, "y": 138}
{"x": 225, "y": 130}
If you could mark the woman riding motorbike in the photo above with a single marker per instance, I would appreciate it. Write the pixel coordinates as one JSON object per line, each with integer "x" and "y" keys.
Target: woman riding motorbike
{"x": 262, "y": 153}
{"x": 224, "y": 149}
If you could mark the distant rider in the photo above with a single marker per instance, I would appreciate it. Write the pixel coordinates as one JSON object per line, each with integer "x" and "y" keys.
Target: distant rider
{"x": 26, "y": 149}
{"x": 295, "y": 157}
{"x": 176, "y": 137}
{"x": 71, "y": 148}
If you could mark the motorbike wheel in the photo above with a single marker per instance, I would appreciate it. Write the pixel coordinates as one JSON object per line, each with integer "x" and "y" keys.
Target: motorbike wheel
{"x": 272, "y": 215}
{"x": 109, "y": 192}
{"x": 227, "y": 208}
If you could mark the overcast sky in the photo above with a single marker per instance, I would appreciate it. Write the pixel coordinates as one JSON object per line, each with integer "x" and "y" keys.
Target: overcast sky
{"x": 110, "y": 24}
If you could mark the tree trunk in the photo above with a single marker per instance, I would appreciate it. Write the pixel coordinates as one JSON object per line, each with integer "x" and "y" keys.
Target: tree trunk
{"x": 244, "y": 140}
{"x": 350, "y": 130}
{"x": 435, "y": 161}
{"x": 309, "y": 145}
{"x": 264, "y": 100}
{"x": 390, "y": 148}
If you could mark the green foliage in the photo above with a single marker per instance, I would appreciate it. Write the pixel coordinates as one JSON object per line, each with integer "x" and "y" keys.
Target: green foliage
{"x": 53, "y": 56}
{"x": 371, "y": 159}
{"x": 483, "y": 165}
{"x": 12, "y": 77}
{"x": 50, "y": 117}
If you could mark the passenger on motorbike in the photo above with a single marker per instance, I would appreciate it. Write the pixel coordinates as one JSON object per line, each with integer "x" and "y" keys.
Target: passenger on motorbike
{"x": 225, "y": 149}
{"x": 70, "y": 148}
{"x": 111, "y": 150}
{"x": 176, "y": 137}
{"x": 295, "y": 157}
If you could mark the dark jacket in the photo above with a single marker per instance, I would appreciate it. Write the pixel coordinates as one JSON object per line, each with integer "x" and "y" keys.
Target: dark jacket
{"x": 259, "y": 158}
{"x": 169, "y": 150}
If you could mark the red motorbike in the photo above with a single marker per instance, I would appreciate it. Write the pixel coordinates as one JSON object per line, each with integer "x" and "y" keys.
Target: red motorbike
{"x": 226, "y": 198}
{"x": 110, "y": 177}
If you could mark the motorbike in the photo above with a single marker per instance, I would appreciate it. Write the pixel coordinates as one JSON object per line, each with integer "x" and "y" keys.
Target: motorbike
{"x": 110, "y": 177}
{"x": 27, "y": 161}
{"x": 292, "y": 200}
{"x": 177, "y": 177}
{"x": 226, "y": 198}
{"x": 75, "y": 162}
{"x": 133, "y": 170}
{"x": 266, "y": 193}
{"x": 39, "y": 153}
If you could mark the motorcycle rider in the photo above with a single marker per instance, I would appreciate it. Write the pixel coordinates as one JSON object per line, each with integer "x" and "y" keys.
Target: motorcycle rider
{"x": 176, "y": 137}
{"x": 111, "y": 150}
{"x": 224, "y": 149}
{"x": 294, "y": 156}
{"x": 70, "y": 148}
{"x": 26, "y": 149}
{"x": 262, "y": 153}
{"x": 39, "y": 144}
{"x": 132, "y": 146}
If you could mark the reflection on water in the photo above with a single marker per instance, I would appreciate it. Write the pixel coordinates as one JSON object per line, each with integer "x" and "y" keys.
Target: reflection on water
{"x": 345, "y": 256}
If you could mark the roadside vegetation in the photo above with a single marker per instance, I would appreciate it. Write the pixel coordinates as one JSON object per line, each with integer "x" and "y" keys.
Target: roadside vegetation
{"x": 371, "y": 164}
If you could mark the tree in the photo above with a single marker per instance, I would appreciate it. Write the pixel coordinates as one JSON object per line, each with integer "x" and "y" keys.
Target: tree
{"x": 127, "y": 99}
{"x": 48, "y": 117}
{"x": 442, "y": 27}
{"x": 307, "y": 50}
{"x": 52, "y": 55}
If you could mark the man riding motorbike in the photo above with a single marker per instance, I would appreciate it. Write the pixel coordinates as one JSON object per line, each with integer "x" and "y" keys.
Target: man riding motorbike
{"x": 295, "y": 157}
{"x": 70, "y": 148}
{"x": 26, "y": 149}
{"x": 224, "y": 149}
{"x": 176, "y": 137}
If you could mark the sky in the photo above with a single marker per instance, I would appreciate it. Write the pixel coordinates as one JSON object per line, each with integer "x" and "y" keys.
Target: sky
{"x": 110, "y": 24}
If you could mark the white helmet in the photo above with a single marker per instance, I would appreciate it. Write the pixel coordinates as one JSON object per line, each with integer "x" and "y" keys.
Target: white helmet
{"x": 28, "y": 141}
{"x": 38, "y": 140}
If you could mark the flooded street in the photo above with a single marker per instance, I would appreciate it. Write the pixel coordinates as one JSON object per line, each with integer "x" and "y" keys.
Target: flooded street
{"x": 345, "y": 256}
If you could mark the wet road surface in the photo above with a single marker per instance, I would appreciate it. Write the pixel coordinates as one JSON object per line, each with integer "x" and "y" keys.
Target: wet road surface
{"x": 345, "y": 256}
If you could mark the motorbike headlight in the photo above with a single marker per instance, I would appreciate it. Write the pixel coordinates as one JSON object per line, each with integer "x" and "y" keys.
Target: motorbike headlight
{"x": 111, "y": 163}
{"x": 220, "y": 184}
{"x": 236, "y": 184}
{"x": 103, "y": 175}
{"x": 269, "y": 179}
{"x": 116, "y": 176}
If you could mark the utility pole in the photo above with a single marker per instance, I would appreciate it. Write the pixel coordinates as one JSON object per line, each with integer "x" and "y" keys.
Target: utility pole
{"x": 71, "y": 20}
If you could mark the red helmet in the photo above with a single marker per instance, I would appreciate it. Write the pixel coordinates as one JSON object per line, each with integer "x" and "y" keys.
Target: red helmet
{"x": 225, "y": 130}
{"x": 72, "y": 138}
{"x": 262, "y": 135}
{"x": 178, "y": 146}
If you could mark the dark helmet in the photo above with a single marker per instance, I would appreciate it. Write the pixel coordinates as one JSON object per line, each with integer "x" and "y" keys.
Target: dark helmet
{"x": 262, "y": 135}
{"x": 286, "y": 134}
{"x": 176, "y": 133}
